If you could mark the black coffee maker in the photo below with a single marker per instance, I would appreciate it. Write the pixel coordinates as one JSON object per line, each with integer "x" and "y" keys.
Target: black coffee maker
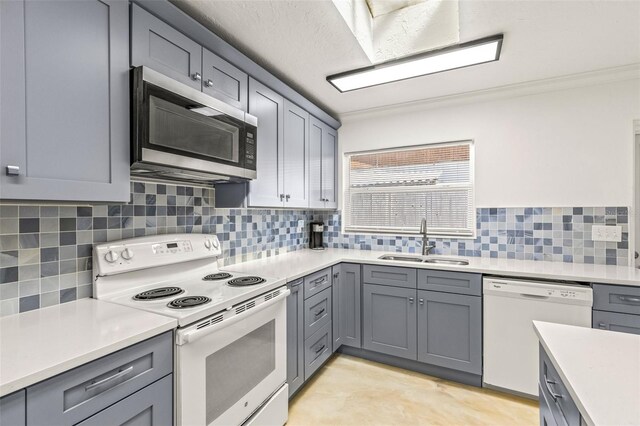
{"x": 315, "y": 238}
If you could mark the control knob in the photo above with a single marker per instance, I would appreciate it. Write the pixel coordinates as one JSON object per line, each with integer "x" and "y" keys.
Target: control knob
{"x": 111, "y": 256}
{"x": 127, "y": 254}
{"x": 215, "y": 243}
{"x": 207, "y": 243}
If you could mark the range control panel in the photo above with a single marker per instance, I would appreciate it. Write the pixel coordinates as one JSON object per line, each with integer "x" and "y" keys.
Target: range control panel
{"x": 158, "y": 250}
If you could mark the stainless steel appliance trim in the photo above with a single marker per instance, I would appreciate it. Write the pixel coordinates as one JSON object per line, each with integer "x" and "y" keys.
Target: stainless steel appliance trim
{"x": 183, "y": 162}
{"x": 167, "y": 83}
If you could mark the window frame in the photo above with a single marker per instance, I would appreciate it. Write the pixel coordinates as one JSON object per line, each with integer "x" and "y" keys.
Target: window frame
{"x": 402, "y": 233}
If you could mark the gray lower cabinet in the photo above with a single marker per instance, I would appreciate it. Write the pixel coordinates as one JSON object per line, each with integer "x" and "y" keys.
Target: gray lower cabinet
{"x": 317, "y": 349}
{"x": 389, "y": 320}
{"x": 13, "y": 409}
{"x": 560, "y": 408}
{"x": 346, "y": 305}
{"x": 623, "y": 323}
{"x": 450, "y": 282}
{"x": 546, "y": 416}
{"x": 450, "y": 330}
{"x": 78, "y": 394}
{"x": 151, "y": 406}
{"x": 295, "y": 337}
{"x": 159, "y": 46}
{"x": 223, "y": 81}
{"x": 317, "y": 312}
{"x": 323, "y": 158}
{"x": 65, "y": 76}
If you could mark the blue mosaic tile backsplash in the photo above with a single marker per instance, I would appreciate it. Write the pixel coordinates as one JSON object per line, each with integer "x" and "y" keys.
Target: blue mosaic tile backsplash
{"x": 45, "y": 250}
{"x": 552, "y": 234}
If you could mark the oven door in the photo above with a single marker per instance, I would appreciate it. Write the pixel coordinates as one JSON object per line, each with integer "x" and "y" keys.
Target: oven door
{"x": 227, "y": 370}
{"x": 177, "y": 126}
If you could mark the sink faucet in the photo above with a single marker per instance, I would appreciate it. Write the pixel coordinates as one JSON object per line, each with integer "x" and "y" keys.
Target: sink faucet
{"x": 426, "y": 247}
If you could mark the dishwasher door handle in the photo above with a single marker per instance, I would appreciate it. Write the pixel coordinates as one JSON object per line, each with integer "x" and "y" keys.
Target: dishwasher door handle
{"x": 534, "y": 296}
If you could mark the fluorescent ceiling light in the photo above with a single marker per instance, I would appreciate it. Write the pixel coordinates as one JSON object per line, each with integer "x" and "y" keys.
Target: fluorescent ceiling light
{"x": 449, "y": 58}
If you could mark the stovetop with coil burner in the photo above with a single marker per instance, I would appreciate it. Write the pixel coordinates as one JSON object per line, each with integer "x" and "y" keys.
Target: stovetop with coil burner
{"x": 189, "y": 289}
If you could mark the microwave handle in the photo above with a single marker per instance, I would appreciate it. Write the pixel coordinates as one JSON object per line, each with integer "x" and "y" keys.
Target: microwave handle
{"x": 189, "y": 336}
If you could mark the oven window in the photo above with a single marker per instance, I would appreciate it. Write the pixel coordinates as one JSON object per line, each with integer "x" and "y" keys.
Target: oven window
{"x": 238, "y": 367}
{"x": 174, "y": 126}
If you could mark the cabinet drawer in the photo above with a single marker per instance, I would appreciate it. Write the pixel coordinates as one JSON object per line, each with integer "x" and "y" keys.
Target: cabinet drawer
{"x": 80, "y": 393}
{"x": 150, "y": 406}
{"x": 450, "y": 282}
{"x": 317, "y": 312}
{"x": 623, "y": 323}
{"x": 562, "y": 406}
{"x": 389, "y": 275}
{"x": 615, "y": 298}
{"x": 317, "y": 349}
{"x": 316, "y": 282}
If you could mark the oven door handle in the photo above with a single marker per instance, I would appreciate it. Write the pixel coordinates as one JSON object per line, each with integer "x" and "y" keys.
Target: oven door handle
{"x": 189, "y": 336}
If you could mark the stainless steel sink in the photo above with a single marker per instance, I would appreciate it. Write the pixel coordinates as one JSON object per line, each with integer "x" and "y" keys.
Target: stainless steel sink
{"x": 401, "y": 258}
{"x": 446, "y": 261}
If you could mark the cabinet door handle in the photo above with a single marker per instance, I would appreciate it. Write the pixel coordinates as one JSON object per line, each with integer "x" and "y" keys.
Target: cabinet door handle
{"x": 13, "y": 170}
{"x": 421, "y": 301}
{"x": 281, "y": 197}
{"x": 336, "y": 275}
{"x": 196, "y": 76}
{"x": 208, "y": 83}
{"x": 411, "y": 300}
{"x": 629, "y": 299}
{"x": 548, "y": 384}
{"x": 287, "y": 197}
{"x": 320, "y": 312}
{"x": 108, "y": 379}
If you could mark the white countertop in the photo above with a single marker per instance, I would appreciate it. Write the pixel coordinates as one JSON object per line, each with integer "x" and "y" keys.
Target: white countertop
{"x": 299, "y": 263}
{"x": 39, "y": 344}
{"x": 601, "y": 370}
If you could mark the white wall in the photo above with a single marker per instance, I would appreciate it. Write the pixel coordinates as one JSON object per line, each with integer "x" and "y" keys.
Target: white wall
{"x": 571, "y": 147}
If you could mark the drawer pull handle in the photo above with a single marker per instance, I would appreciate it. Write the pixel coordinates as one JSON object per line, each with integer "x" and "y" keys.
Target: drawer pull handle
{"x": 119, "y": 374}
{"x": 548, "y": 384}
{"x": 602, "y": 325}
{"x": 319, "y": 281}
{"x": 320, "y": 312}
{"x": 320, "y": 349}
{"x": 629, "y": 299}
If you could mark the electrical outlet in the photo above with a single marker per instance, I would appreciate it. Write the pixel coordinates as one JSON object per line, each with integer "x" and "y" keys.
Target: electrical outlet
{"x": 300, "y": 226}
{"x": 606, "y": 233}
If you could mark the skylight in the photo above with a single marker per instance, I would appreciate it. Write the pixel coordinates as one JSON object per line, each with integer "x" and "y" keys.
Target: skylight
{"x": 382, "y": 7}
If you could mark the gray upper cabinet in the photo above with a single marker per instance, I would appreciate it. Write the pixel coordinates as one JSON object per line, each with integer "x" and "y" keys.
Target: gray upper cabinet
{"x": 65, "y": 76}
{"x": 268, "y": 106}
{"x": 295, "y": 170}
{"x": 223, "y": 81}
{"x": 157, "y": 45}
{"x": 346, "y": 305}
{"x": 322, "y": 164}
{"x": 295, "y": 337}
{"x": 450, "y": 330}
{"x": 13, "y": 409}
{"x": 389, "y": 315}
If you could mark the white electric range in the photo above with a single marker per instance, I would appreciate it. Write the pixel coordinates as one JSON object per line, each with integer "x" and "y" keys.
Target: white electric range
{"x": 230, "y": 364}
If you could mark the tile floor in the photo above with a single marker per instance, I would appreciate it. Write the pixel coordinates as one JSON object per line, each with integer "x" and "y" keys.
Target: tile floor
{"x": 353, "y": 391}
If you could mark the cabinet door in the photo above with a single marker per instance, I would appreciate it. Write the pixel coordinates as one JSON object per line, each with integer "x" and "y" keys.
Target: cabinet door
{"x": 349, "y": 286}
{"x": 64, "y": 123}
{"x": 450, "y": 330}
{"x": 295, "y": 337}
{"x": 623, "y": 323}
{"x": 150, "y": 406}
{"x": 315, "y": 164}
{"x": 12, "y": 409}
{"x": 389, "y": 320}
{"x": 295, "y": 171}
{"x": 268, "y": 106}
{"x": 329, "y": 158}
{"x": 159, "y": 46}
{"x": 223, "y": 81}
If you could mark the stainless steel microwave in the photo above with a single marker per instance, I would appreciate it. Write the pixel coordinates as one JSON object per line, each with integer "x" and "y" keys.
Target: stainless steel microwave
{"x": 181, "y": 134}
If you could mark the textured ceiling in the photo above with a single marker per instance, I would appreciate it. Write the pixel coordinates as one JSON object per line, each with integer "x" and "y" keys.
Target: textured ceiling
{"x": 305, "y": 41}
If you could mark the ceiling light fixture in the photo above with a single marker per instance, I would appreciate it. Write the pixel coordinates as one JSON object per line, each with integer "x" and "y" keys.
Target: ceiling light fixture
{"x": 449, "y": 58}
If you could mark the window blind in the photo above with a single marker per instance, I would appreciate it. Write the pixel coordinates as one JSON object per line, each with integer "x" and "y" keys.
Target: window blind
{"x": 391, "y": 191}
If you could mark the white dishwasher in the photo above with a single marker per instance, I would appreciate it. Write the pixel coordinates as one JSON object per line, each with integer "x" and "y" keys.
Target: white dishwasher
{"x": 510, "y": 343}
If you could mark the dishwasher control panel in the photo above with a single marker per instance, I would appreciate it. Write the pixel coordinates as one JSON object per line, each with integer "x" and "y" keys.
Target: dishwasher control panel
{"x": 542, "y": 290}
